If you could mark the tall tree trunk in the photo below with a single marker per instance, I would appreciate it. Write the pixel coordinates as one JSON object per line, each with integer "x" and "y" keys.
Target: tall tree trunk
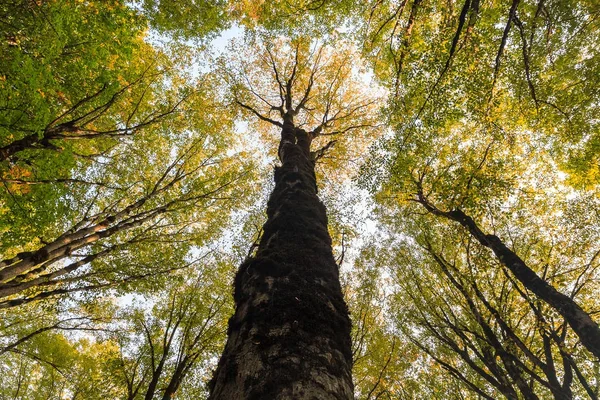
{"x": 290, "y": 335}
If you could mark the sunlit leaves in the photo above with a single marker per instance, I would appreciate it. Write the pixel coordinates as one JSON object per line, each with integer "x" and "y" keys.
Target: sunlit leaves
{"x": 446, "y": 75}
{"x": 503, "y": 126}
{"x": 326, "y": 87}
{"x": 193, "y": 20}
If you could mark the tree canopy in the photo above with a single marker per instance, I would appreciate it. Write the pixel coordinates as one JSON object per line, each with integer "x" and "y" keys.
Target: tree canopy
{"x": 457, "y": 151}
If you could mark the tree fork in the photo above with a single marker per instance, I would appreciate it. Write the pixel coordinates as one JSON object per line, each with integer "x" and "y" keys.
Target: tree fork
{"x": 290, "y": 335}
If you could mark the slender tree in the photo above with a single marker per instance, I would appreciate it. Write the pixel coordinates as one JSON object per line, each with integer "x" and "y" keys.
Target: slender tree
{"x": 580, "y": 321}
{"x": 159, "y": 346}
{"x": 185, "y": 328}
{"x": 470, "y": 133}
{"x": 290, "y": 334}
{"x": 468, "y": 316}
{"x": 104, "y": 151}
{"x": 139, "y": 214}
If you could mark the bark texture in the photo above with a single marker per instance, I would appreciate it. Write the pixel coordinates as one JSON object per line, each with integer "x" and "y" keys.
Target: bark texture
{"x": 290, "y": 335}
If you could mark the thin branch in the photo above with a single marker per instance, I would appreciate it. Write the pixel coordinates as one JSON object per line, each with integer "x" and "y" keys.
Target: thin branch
{"x": 511, "y": 16}
{"x": 259, "y": 115}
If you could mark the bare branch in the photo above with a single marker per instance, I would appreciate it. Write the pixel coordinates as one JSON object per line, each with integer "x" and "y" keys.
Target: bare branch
{"x": 259, "y": 115}
{"x": 511, "y": 16}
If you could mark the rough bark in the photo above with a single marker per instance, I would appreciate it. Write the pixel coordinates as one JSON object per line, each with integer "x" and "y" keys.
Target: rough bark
{"x": 290, "y": 335}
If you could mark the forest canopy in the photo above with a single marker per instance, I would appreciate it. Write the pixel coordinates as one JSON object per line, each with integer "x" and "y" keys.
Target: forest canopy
{"x": 455, "y": 144}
